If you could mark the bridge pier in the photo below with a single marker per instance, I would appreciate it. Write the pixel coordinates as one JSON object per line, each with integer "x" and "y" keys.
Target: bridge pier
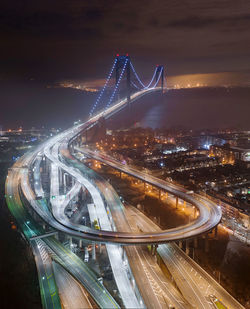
{"x": 70, "y": 242}
{"x": 216, "y": 231}
{"x": 176, "y": 202}
{"x": 80, "y": 243}
{"x": 60, "y": 174}
{"x": 206, "y": 244}
{"x": 180, "y": 243}
{"x": 196, "y": 242}
{"x": 154, "y": 249}
{"x": 187, "y": 247}
{"x": 93, "y": 252}
{"x": 46, "y": 165}
{"x": 64, "y": 183}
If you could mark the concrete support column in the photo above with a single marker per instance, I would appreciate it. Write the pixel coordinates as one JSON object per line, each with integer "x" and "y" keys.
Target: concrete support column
{"x": 154, "y": 248}
{"x": 180, "y": 244}
{"x": 196, "y": 242}
{"x": 123, "y": 253}
{"x": 60, "y": 177}
{"x": 216, "y": 231}
{"x": 187, "y": 247}
{"x": 70, "y": 242}
{"x": 166, "y": 195}
{"x": 184, "y": 203}
{"x": 80, "y": 243}
{"x": 159, "y": 194}
{"x": 64, "y": 182}
{"x": 176, "y": 202}
{"x": 206, "y": 244}
{"x": 46, "y": 165}
{"x": 93, "y": 252}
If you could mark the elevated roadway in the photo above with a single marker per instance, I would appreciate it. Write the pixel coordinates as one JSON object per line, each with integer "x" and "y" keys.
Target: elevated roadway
{"x": 30, "y": 228}
{"x": 195, "y": 284}
{"x": 209, "y": 217}
{"x": 209, "y": 212}
{"x": 56, "y": 152}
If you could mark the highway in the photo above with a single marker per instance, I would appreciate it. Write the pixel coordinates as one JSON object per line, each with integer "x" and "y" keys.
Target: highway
{"x": 25, "y": 199}
{"x": 195, "y": 284}
{"x": 48, "y": 291}
{"x": 209, "y": 217}
{"x": 209, "y": 212}
{"x": 156, "y": 290}
{"x": 64, "y": 256}
{"x": 71, "y": 292}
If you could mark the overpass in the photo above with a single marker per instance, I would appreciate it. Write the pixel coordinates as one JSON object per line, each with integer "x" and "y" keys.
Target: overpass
{"x": 28, "y": 203}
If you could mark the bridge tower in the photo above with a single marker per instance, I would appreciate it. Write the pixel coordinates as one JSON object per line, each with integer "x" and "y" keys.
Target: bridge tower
{"x": 119, "y": 65}
{"x": 160, "y": 70}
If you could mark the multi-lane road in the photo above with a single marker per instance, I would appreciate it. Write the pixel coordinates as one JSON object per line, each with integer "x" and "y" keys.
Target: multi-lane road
{"x": 195, "y": 284}
{"x": 27, "y": 203}
{"x": 209, "y": 212}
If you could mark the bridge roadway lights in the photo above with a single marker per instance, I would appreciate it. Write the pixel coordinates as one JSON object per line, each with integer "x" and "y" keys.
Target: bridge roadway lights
{"x": 121, "y": 60}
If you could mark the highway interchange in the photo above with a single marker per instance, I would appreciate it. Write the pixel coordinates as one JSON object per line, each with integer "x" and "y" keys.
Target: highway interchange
{"x": 37, "y": 219}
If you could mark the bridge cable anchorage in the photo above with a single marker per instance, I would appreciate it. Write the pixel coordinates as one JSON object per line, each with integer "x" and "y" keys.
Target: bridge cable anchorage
{"x": 116, "y": 86}
{"x": 159, "y": 76}
{"x": 139, "y": 80}
{"x": 103, "y": 89}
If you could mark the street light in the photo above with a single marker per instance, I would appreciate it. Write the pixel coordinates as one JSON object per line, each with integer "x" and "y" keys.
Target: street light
{"x": 84, "y": 219}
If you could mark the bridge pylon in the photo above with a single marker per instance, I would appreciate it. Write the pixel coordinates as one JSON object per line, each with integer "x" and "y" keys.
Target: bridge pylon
{"x": 160, "y": 70}
{"x": 121, "y": 60}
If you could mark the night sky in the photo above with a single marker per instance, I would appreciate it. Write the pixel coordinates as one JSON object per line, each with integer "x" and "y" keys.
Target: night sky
{"x": 46, "y": 42}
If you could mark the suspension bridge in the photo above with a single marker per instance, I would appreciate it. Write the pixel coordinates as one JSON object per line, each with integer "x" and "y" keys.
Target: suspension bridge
{"x": 40, "y": 209}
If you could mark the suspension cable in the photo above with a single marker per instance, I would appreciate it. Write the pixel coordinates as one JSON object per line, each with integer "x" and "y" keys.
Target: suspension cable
{"x": 135, "y": 85}
{"x": 117, "y": 85}
{"x": 103, "y": 89}
{"x": 158, "y": 78}
{"x": 138, "y": 78}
